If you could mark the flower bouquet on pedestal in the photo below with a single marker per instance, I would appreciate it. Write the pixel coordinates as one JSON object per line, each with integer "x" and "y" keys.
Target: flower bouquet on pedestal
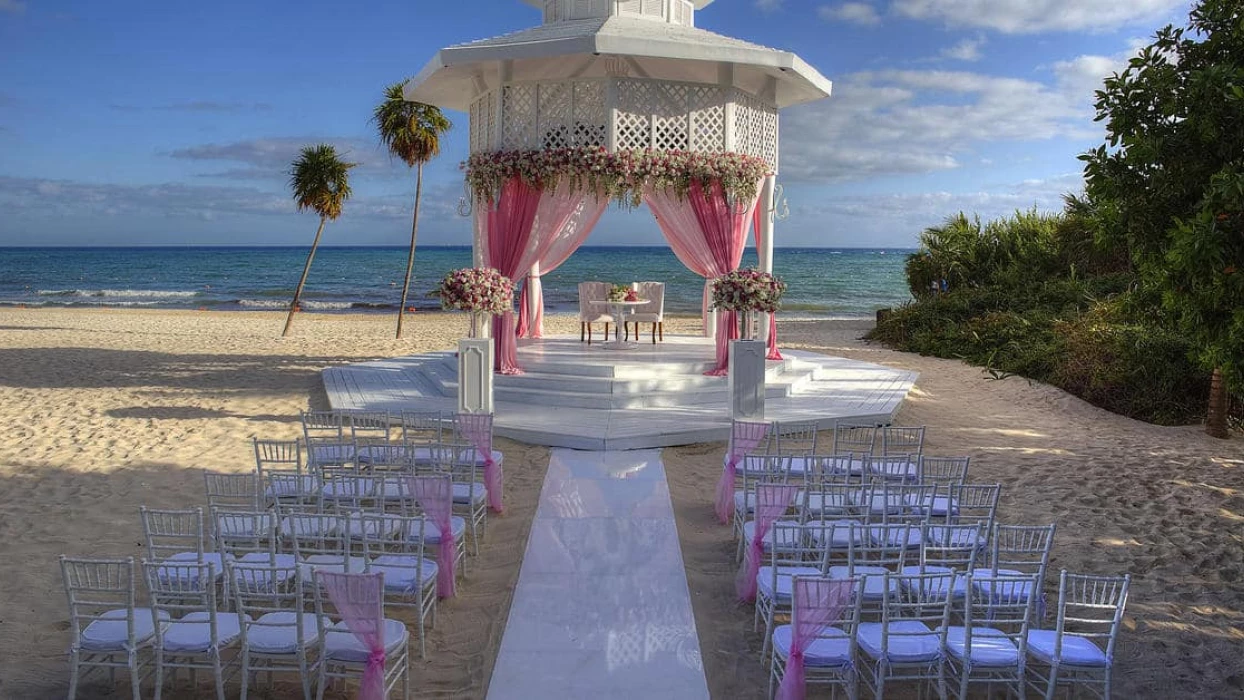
{"x": 748, "y": 291}
{"x": 482, "y": 291}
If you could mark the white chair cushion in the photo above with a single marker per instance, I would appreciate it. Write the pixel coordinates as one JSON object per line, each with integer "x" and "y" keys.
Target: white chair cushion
{"x": 309, "y": 526}
{"x": 790, "y": 537}
{"x": 1076, "y": 651}
{"x": 959, "y": 587}
{"x": 826, "y": 504}
{"x": 474, "y": 493}
{"x": 277, "y": 633}
{"x": 182, "y": 559}
{"x": 400, "y": 572}
{"x": 254, "y": 575}
{"x": 874, "y": 579}
{"x": 830, "y": 650}
{"x": 936, "y": 506}
{"x": 910, "y": 642}
{"x": 895, "y": 470}
{"x": 329, "y": 562}
{"x": 110, "y": 632}
{"x": 288, "y": 486}
{"x": 384, "y": 527}
{"x": 329, "y": 454}
{"x": 764, "y": 580}
{"x": 193, "y": 633}
{"x": 744, "y": 502}
{"x": 894, "y": 537}
{"x": 938, "y": 535}
{"x": 341, "y": 645}
{"x": 432, "y": 533}
{"x": 1004, "y": 591}
{"x": 990, "y": 647}
{"x": 840, "y": 536}
{"x": 347, "y": 488}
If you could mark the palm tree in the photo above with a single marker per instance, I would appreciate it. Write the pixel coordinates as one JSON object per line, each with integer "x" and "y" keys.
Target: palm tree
{"x": 320, "y": 181}
{"x": 412, "y": 132}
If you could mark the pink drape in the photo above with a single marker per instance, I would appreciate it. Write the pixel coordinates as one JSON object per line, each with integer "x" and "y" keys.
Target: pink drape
{"x": 772, "y": 501}
{"x": 817, "y": 604}
{"x": 507, "y": 227}
{"x": 477, "y": 429}
{"x": 359, "y": 599}
{"x": 435, "y": 495}
{"x": 744, "y": 437}
{"x": 563, "y": 222}
{"x": 707, "y": 234}
{"x": 773, "y": 353}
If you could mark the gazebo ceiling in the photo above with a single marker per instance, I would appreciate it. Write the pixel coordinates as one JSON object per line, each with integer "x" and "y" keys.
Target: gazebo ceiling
{"x": 611, "y": 47}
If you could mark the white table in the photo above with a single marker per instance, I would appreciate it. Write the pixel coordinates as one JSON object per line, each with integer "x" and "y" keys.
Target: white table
{"x": 620, "y": 310}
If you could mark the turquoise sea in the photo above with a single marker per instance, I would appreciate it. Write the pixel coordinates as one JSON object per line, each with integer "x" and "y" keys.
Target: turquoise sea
{"x": 822, "y": 283}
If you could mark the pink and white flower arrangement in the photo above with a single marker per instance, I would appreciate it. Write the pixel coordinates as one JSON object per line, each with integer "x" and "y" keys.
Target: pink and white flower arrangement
{"x": 621, "y": 176}
{"x": 748, "y": 289}
{"x": 478, "y": 290}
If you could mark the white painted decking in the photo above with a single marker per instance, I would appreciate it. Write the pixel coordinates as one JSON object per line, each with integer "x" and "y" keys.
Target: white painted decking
{"x": 593, "y": 398}
{"x": 602, "y": 608}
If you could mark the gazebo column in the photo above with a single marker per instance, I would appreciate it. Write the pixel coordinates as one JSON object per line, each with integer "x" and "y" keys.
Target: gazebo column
{"x": 534, "y": 294}
{"x": 764, "y": 242}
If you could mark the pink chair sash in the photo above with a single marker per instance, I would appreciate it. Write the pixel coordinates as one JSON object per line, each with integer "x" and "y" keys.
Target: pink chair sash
{"x": 772, "y": 501}
{"x": 359, "y": 599}
{"x": 435, "y": 495}
{"x": 744, "y": 437}
{"x": 818, "y": 603}
{"x": 477, "y": 429}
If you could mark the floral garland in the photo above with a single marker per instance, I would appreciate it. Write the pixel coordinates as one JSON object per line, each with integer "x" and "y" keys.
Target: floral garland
{"x": 621, "y": 176}
{"x": 748, "y": 289}
{"x": 476, "y": 289}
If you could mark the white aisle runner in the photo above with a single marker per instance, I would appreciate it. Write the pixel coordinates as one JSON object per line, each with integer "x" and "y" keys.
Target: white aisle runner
{"x": 602, "y": 608}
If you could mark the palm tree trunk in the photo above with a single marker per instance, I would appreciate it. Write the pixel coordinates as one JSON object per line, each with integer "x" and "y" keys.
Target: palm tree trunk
{"x": 1216, "y": 415}
{"x": 410, "y": 260}
{"x": 293, "y": 305}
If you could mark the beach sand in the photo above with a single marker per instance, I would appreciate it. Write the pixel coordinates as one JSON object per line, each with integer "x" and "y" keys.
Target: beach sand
{"x": 108, "y": 410}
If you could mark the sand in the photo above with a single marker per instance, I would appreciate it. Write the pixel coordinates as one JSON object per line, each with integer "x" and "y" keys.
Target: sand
{"x": 1165, "y": 505}
{"x": 108, "y": 410}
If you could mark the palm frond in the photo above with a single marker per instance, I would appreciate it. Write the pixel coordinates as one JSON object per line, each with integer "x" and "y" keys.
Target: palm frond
{"x": 320, "y": 180}
{"x": 410, "y": 131}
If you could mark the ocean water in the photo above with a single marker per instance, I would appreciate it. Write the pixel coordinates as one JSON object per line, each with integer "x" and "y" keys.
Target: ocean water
{"x": 821, "y": 283}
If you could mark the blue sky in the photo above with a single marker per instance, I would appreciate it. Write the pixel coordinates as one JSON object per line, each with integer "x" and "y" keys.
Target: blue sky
{"x": 170, "y": 123}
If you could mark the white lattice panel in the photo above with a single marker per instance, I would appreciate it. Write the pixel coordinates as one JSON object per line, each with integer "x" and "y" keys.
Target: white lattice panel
{"x": 483, "y": 122}
{"x": 554, "y": 115}
{"x": 707, "y": 117}
{"x": 755, "y": 128}
{"x": 591, "y": 122}
{"x": 670, "y": 130}
{"x": 519, "y": 117}
{"x": 634, "y": 125}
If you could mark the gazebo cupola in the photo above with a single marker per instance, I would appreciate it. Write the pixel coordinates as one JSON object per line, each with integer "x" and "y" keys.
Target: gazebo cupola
{"x": 622, "y": 74}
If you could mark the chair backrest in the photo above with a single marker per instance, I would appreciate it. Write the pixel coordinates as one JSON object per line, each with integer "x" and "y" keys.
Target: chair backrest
{"x": 880, "y": 545}
{"x": 854, "y": 438}
{"x": 315, "y": 534}
{"x": 826, "y": 500}
{"x": 464, "y": 464}
{"x": 798, "y": 549}
{"x": 169, "y": 532}
{"x": 180, "y": 588}
{"x": 975, "y": 503}
{"x": 1024, "y": 548}
{"x": 242, "y": 532}
{"x": 955, "y": 547}
{"x": 231, "y": 490}
{"x": 836, "y": 468}
{"x": 280, "y": 454}
{"x": 903, "y": 503}
{"x": 368, "y": 426}
{"x": 764, "y": 469}
{"x": 388, "y": 456}
{"x": 323, "y": 425}
{"x": 902, "y": 440}
{"x": 592, "y": 292}
{"x": 894, "y": 467}
{"x": 943, "y": 471}
{"x": 1001, "y": 603}
{"x": 422, "y": 427}
{"x": 399, "y": 539}
{"x": 357, "y": 598}
{"x": 793, "y": 438}
{"x": 919, "y": 597}
{"x": 328, "y": 452}
{"x": 96, "y": 588}
{"x": 826, "y": 603}
{"x": 654, "y": 293}
{"x": 1091, "y": 607}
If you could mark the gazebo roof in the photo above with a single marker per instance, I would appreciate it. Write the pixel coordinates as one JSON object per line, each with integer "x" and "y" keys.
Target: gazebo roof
{"x": 663, "y": 51}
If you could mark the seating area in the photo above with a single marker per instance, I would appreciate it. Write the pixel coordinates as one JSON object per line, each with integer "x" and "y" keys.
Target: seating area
{"x": 873, "y": 566}
{"x": 594, "y": 308}
{"x": 317, "y": 568}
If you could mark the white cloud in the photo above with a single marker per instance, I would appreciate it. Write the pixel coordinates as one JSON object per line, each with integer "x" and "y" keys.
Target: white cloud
{"x": 966, "y": 50}
{"x": 1033, "y": 16}
{"x": 270, "y": 158}
{"x": 15, "y": 7}
{"x": 768, "y": 5}
{"x": 920, "y": 121}
{"x": 854, "y": 12}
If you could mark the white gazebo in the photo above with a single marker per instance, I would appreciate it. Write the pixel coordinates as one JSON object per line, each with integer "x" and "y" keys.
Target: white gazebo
{"x": 623, "y": 76}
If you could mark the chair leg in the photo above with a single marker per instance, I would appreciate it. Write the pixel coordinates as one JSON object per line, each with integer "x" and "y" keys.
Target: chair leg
{"x": 582, "y": 331}
{"x": 136, "y": 680}
{"x": 589, "y": 334}
{"x": 73, "y": 676}
{"x": 654, "y": 334}
{"x": 607, "y": 330}
{"x": 661, "y": 329}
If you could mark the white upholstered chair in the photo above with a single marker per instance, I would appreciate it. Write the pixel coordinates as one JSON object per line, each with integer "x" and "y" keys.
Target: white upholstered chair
{"x": 653, "y": 312}
{"x": 591, "y": 312}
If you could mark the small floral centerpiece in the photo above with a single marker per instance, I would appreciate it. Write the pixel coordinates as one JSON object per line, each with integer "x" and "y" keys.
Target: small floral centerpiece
{"x": 620, "y": 292}
{"x": 482, "y": 291}
{"x": 748, "y": 289}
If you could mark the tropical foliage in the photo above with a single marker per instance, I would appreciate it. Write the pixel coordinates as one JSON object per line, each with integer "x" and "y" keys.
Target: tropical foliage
{"x": 476, "y": 289}
{"x": 1170, "y": 179}
{"x": 620, "y": 176}
{"x": 748, "y": 289}
{"x": 411, "y": 131}
{"x": 320, "y": 182}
